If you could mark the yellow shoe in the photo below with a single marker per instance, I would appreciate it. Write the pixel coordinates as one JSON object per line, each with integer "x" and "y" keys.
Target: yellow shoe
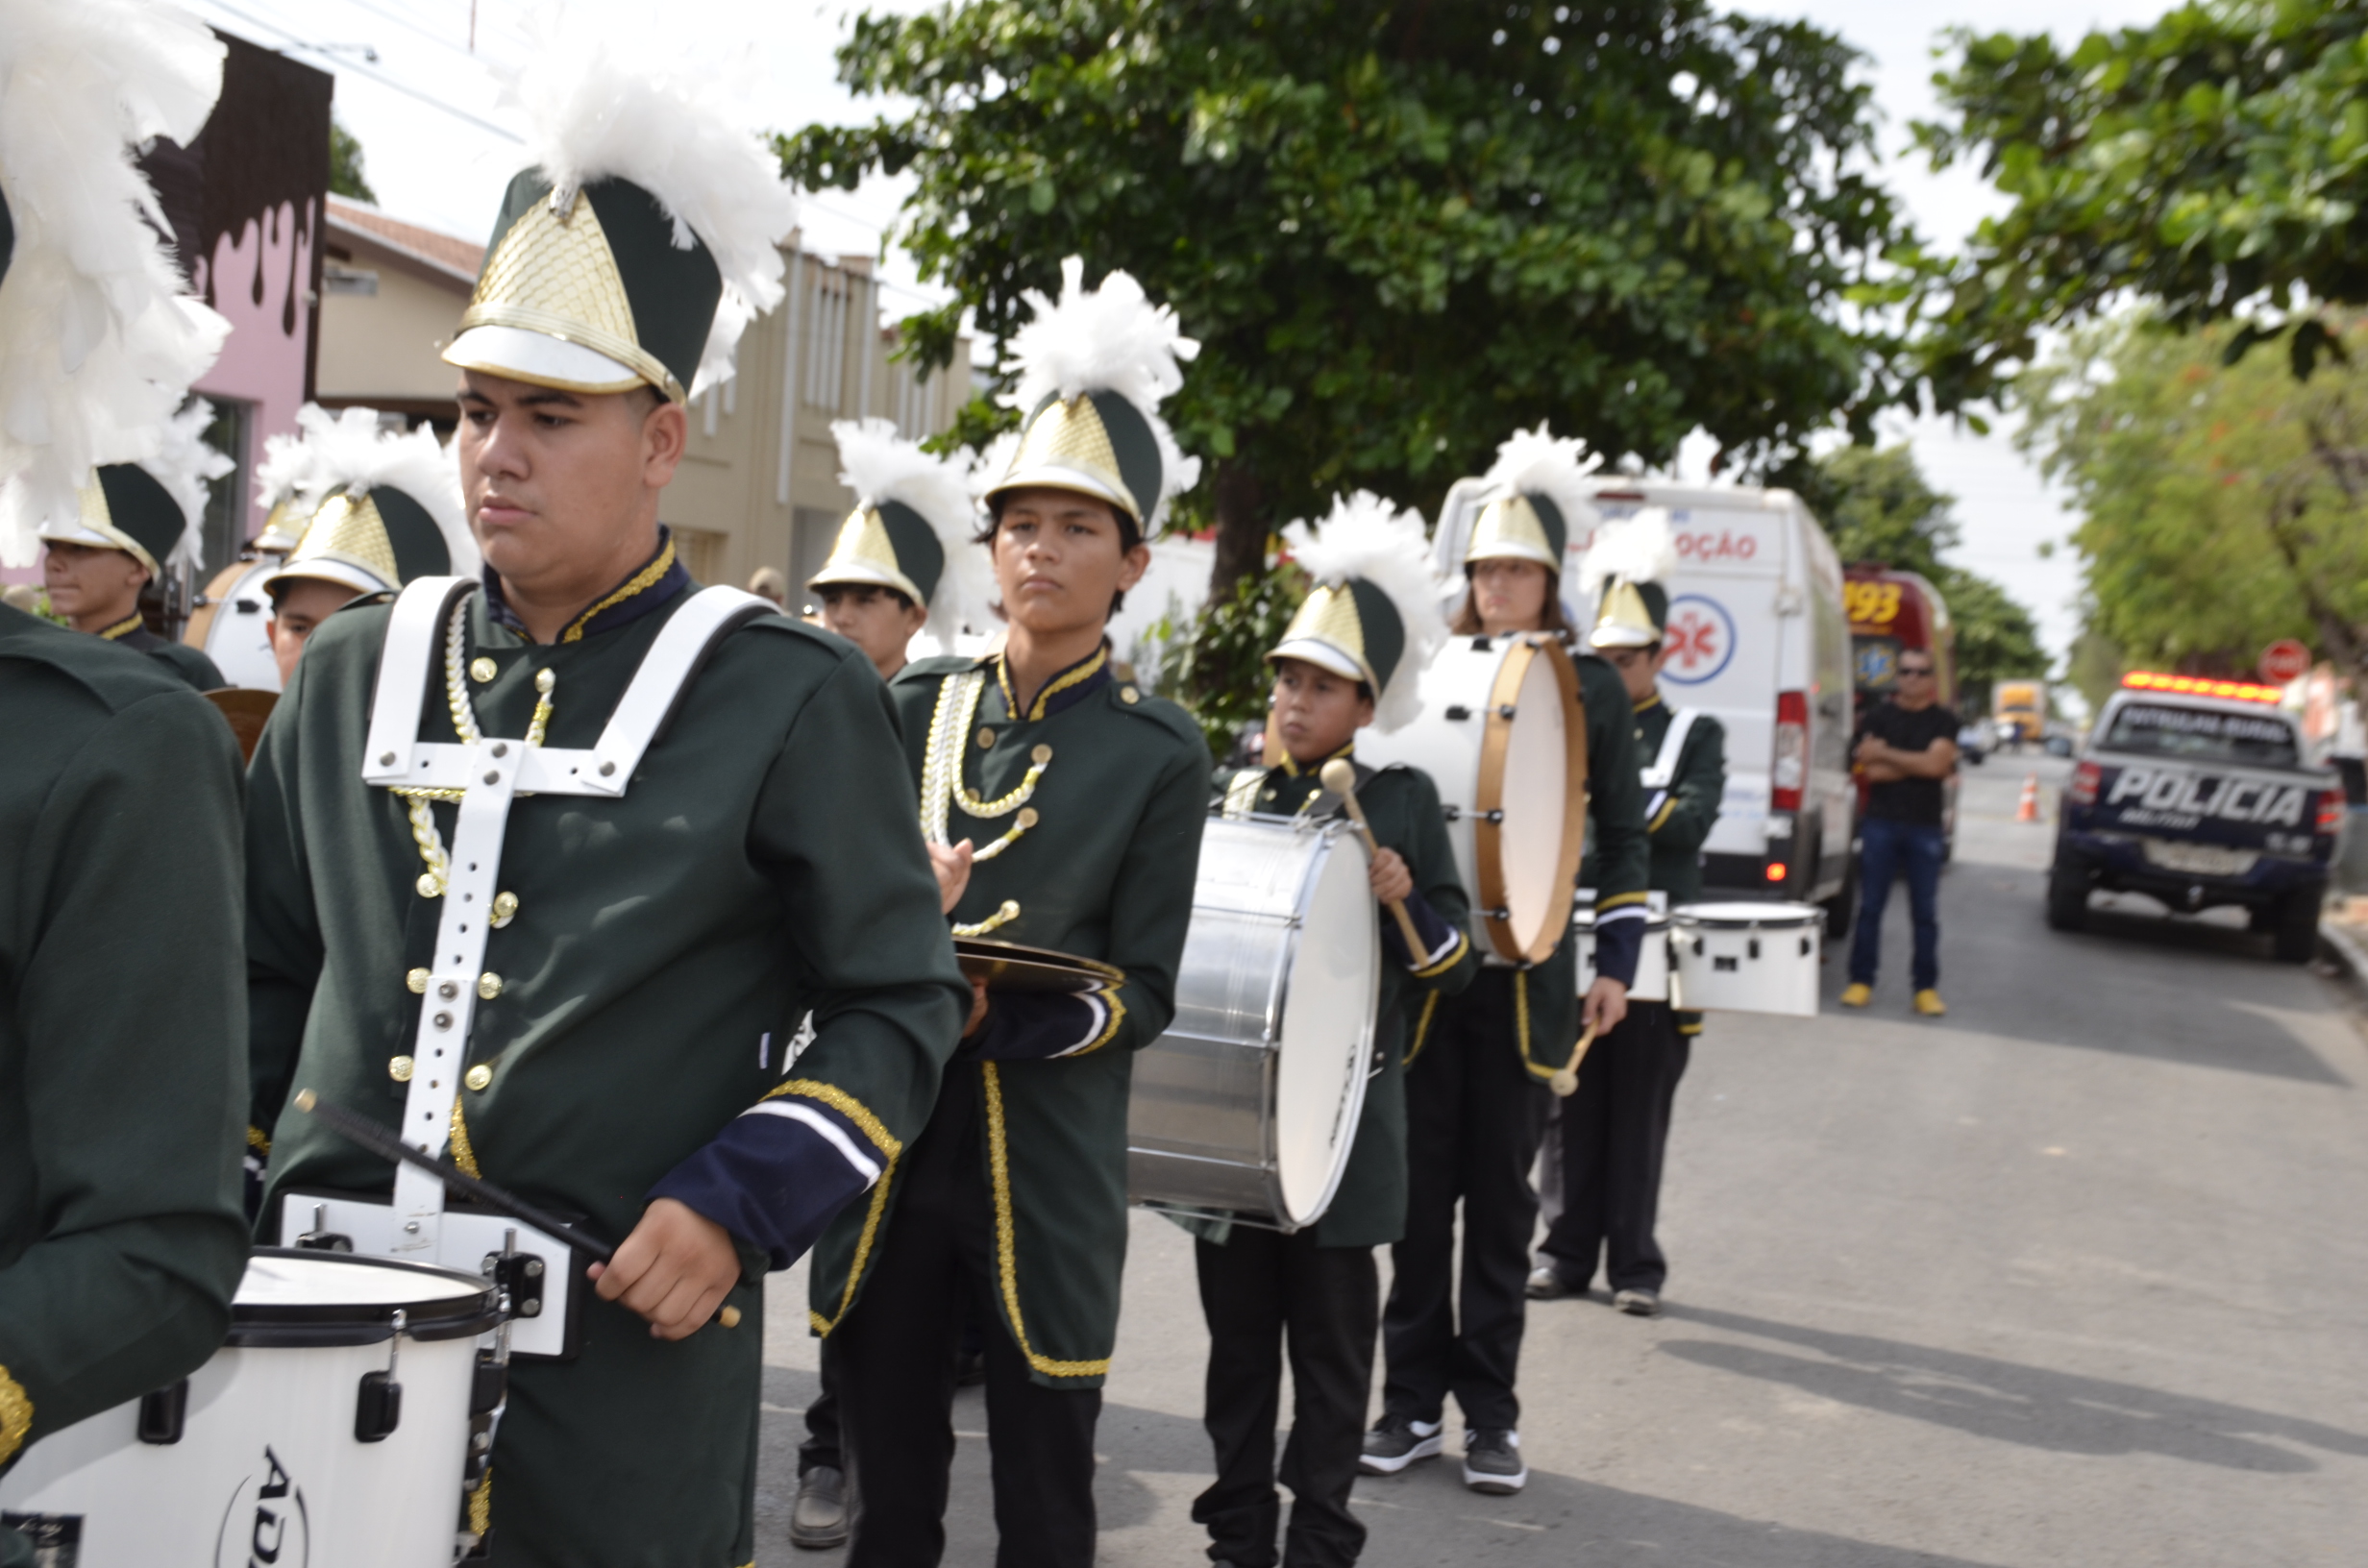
{"x": 1928, "y": 1003}
{"x": 1855, "y": 995}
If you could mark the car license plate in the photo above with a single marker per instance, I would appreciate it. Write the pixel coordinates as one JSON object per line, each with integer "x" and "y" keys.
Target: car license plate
{"x": 2200, "y": 859}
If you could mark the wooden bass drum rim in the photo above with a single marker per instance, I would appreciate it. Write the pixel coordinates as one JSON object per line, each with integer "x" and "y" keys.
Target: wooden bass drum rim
{"x": 1488, "y": 829}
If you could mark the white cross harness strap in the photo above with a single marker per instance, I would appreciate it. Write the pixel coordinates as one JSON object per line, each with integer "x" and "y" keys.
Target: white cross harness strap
{"x": 492, "y": 771}
{"x": 1657, "y": 777}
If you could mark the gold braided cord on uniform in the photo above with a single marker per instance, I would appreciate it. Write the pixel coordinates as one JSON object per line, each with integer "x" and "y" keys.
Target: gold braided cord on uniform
{"x": 1062, "y": 683}
{"x": 480, "y": 1504}
{"x": 848, "y": 1106}
{"x": 124, "y": 628}
{"x": 15, "y": 1415}
{"x": 1005, "y": 1232}
{"x": 464, "y": 1153}
{"x": 863, "y": 1253}
{"x": 1004, "y": 915}
{"x": 260, "y": 1141}
{"x": 1620, "y": 900}
{"x": 1520, "y": 1023}
{"x": 640, "y": 581}
{"x": 941, "y": 787}
{"x": 423, "y": 831}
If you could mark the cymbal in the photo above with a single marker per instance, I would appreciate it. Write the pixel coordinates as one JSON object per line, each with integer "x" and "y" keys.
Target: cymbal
{"x": 1007, "y": 966}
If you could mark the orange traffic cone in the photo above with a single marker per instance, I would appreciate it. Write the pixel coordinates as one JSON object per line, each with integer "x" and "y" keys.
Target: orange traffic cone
{"x": 2027, "y": 810}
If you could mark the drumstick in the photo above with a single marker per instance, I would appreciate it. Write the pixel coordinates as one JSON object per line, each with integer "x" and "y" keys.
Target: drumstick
{"x": 1340, "y": 779}
{"x": 382, "y": 1142}
{"x": 1565, "y": 1082}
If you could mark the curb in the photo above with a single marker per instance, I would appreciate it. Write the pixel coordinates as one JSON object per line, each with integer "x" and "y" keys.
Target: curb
{"x": 2347, "y": 948}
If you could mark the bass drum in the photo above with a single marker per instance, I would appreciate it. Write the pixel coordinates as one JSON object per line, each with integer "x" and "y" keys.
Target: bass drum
{"x": 1652, "y": 981}
{"x": 230, "y": 623}
{"x": 1249, "y": 1102}
{"x": 1503, "y": 737}
{"x": 1748, "y": 958}
{"x": 284, "y": 1447}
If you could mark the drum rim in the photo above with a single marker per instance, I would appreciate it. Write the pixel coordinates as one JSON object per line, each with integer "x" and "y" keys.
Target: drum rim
{"x": 469, "y": 1312}
{"x": 1329, "y": 832}
{"x": 1489, "y": 789}
{"x": 1794, "y": 917}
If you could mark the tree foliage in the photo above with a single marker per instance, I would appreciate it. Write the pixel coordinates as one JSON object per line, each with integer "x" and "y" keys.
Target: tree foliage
{"x": 345, "y": 174}
{"x": 1400, "y": 230}
{"x": 2211, "y": 162}
{"x": 1878, "y": 506}
{"x": 2227, "y": 504}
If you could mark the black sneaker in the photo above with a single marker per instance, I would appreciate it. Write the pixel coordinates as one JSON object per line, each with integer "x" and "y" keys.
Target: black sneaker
{"x": 1546, "y": 1284}
{"x": 817, "y": 1519}
{"x": 1493, "y": 1462}
{"x": 1396, "y": 1443}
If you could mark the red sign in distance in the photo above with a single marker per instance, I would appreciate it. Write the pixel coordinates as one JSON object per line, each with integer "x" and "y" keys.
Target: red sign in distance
{"x": 2284, "y": 661}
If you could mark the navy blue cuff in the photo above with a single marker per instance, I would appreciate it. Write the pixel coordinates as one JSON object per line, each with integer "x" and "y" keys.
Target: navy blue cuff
{"x": 1034, "y": 1025}
{"x": 1438, "y": 936}
{"x": 776, "y": 1175}
{"x": 1619, "y": 943}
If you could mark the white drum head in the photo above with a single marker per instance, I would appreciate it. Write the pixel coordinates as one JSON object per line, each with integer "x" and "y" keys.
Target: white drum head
{"x": 1742, "y": 915}
{"x": 1327, "y": 1031}
{"x": 1536, "y": 792}
{"x": 334, "y": 1278}
{"x": 238, "y": 640}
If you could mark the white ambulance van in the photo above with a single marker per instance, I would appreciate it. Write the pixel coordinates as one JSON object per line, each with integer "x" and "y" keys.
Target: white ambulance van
{"x": 1758, "y": 638}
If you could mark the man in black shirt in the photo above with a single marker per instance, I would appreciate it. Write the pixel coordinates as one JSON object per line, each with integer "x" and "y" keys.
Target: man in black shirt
{"x": 1904, "y": 750}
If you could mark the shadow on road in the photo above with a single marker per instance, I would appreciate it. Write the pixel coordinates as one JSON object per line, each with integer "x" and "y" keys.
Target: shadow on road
{"x": 2006, "y": 1402}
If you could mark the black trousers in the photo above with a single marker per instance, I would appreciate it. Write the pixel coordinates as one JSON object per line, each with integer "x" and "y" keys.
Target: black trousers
{"x": 822, "y": 1445}
{"x": 1260, "y": 1291}
{"x": 895, "y": 1374}
{"x": 1614, "y": 1132}
{"x": 1474, "y": 1116}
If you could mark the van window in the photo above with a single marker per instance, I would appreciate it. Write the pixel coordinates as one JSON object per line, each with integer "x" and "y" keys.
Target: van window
{"x": 2204, "y": 735}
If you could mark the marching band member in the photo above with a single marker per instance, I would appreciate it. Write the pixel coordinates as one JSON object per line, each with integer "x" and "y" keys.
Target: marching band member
{"x": 1353, "y": 655}
{"x": 1085, "y": 797}
{"x": 121, "y": 1005}
{"x": 381, "y": 510}
{"x": 905, "y": 557}
{"x": 1615, "y": 1127}
{"x": 1476, "y": 1074}
{"x": 129, "y": 524}
{"x": 648, "y": 942}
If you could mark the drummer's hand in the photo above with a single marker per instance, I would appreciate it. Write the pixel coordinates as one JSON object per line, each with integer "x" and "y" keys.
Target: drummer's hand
{"x": 1392, "y": 880}
{"x": 953, "y": 873}
{"x": 978, "y": 1006}
{"x": 1605, "y": 1005}
{"x": 674, "y": 1269}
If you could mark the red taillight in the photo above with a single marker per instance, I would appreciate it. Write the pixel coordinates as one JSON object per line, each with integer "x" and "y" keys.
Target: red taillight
{"x": 2083, "y": 790}
{"x": 1789, "y": 769}
{"x": 1775, "y": 870}
{"x": 2332, "y": 806}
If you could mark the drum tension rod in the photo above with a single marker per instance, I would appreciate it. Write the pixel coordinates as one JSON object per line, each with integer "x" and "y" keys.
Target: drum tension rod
{"x": 378, "y": 1404}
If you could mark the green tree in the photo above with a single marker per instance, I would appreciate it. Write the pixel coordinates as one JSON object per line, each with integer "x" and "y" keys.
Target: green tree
{"x": 345, "y": 174}
{"x": 1878, "y": 506}
{"x": 1399, "y": 231}
{"x": 2211, "y": 162}
{"x": 2227, "y": 504}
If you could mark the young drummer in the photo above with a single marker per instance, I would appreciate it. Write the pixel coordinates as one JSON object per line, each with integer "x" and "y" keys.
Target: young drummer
{"x": 1085, "y": 797}
{"x": 1614, "y": 1129}
{"x": 1352, "y": 656}
{"x": 1477, "y": 1073}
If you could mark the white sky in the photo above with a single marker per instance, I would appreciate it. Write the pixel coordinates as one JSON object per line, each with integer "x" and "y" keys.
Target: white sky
{"x": 438, "y": 167}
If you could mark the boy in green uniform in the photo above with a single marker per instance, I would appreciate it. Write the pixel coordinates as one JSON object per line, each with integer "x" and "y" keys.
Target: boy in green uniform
{"x": 681, "y": 824}
{"x": 1084, "y": 798}
{"x": 1614, "y": 1129}
{"x": 1353, "y": 655}
{"x": 1478, "y": 1071}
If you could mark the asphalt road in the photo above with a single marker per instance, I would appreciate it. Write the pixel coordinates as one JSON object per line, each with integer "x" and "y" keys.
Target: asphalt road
{"x": 2072, "y": 1276}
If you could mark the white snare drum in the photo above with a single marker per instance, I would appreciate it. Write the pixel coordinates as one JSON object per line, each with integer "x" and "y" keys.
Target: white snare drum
{"x": 1502, "y": 737}
{"x": 1748, "y": 958}
{"x": 231, "y": 624}
{"x": 1652, "y": 981}
{"x": 1250, "y": 1101}
{"x": 266, "y": 1453}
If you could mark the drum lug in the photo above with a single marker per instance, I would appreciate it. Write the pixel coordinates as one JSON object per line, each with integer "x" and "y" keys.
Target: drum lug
{"x": 378, "y": 1404}
{"x": 519, "y": 1274}
{"x": 1451, "y": 812}
{"x": 319, "y": 1239}
{"x": 1505, "y": 711}
{"x": 1494, "y": 818}
{"x": 163, "y": 1413}
{"x": 1457, "y": 713}
{"x": 1752, "y": 947}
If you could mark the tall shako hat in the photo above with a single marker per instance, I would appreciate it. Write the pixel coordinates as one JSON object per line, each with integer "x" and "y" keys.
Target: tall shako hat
{"x": 287, "y": 461}
{"x": 1094, "y": 368}
{"x": 1626, "y": 569}
{"x": 913, "y": 527}
{"x": 1373, "y": 613}
{"x": 98, "y": 344}
{"x": 1533, "y": 499}
{"x": 641, "y": 240}
{"x": 155, "y": 509}
{"x": 384, "y": 508}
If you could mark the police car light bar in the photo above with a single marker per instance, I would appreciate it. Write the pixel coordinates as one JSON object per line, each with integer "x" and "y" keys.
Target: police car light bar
{"x": 2242, "y": 691}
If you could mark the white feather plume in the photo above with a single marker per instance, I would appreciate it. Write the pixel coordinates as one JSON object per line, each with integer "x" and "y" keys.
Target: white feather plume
{"x": 350, "y": 450}
{"x": 880, "y": 465}
{"x": 1642, "y": 548}
{"x": 1370, "y": 536}
{"x": 98, "y": 345}
{"x": 600, "y": 104}
{"x": 1106, "y": 339}
{"x": 1535, "y": 462}
{"x": 183, "y": 463}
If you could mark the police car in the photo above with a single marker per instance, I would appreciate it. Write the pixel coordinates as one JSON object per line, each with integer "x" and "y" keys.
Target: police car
{"x": 2195, "y": 792}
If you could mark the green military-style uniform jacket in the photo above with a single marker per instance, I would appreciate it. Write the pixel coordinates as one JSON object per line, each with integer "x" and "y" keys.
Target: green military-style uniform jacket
{"x": 644, "y": 991}
{"x": 1547, "y": 1000}
{"x": 1679, "y": 815}
{"x": 190, "y": 664}
{"x": 1369, "y": 1209}
{"x": 122, "y": 1036}
{"x": 1086, "y": 813}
